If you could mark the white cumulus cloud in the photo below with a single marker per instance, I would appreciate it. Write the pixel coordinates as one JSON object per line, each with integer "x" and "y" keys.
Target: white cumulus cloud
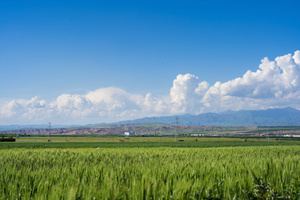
{"x": 187, "y": 92}
{"x": 274, "y": 84}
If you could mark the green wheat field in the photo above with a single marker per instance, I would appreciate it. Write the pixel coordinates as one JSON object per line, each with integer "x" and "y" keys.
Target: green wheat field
{"x": 241, "y": 172}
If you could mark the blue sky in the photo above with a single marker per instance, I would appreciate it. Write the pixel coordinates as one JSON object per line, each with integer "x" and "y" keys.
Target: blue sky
{"x": 51, "y": 48}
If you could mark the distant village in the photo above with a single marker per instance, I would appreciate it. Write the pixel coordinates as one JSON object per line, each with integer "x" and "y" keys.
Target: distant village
{"x": 193, "y": 131}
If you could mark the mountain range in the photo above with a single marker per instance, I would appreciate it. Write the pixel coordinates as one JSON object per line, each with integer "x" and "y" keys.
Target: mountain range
{"x": 270, "y": 117}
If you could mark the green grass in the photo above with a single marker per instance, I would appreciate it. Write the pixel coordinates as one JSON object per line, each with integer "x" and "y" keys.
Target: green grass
{"x": 198, "y": 144}
{"x": 142, "y": 142}
{"x": 133, "y": 139}
{"x": 151, "y": 173}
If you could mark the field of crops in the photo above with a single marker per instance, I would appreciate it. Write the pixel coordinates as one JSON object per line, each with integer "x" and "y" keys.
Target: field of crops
{"x": 147, "y": 139}
{"x": 144, "y": 142}
{"x": 151, "y": 173}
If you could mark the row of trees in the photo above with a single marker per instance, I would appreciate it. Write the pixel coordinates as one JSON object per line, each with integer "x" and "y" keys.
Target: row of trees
{"x": 7, "y": 139}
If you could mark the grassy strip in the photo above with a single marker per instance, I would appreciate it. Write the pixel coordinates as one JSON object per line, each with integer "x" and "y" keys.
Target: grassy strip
{"x": 144, "y": 144}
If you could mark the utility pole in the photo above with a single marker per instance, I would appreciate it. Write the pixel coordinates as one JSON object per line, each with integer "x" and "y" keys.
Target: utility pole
{"x": 18, "y": 132}
{"x": 268, "y": 135}
{"x": 49, "y": 134}
{"x": 176, "y": 129}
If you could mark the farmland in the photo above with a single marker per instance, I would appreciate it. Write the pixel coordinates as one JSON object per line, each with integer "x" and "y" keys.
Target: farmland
{"x": 151, "y": 173}
{"x": 111, "y": 167}
{"x": 145, "y": 142}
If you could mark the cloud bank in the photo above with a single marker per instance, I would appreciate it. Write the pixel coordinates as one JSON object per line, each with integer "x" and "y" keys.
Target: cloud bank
{"x": 274, "y": 84}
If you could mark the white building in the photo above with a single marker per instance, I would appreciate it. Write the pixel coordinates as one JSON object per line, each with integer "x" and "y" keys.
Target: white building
{"x": 197, "y": 135}
{"x": 291, "y": 136}
{"x": 129, "y": 133}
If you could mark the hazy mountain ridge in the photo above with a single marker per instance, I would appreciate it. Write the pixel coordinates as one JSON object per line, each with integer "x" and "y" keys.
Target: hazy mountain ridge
{"x": 34, "y": 126}
{"x": 271, "y": 117}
